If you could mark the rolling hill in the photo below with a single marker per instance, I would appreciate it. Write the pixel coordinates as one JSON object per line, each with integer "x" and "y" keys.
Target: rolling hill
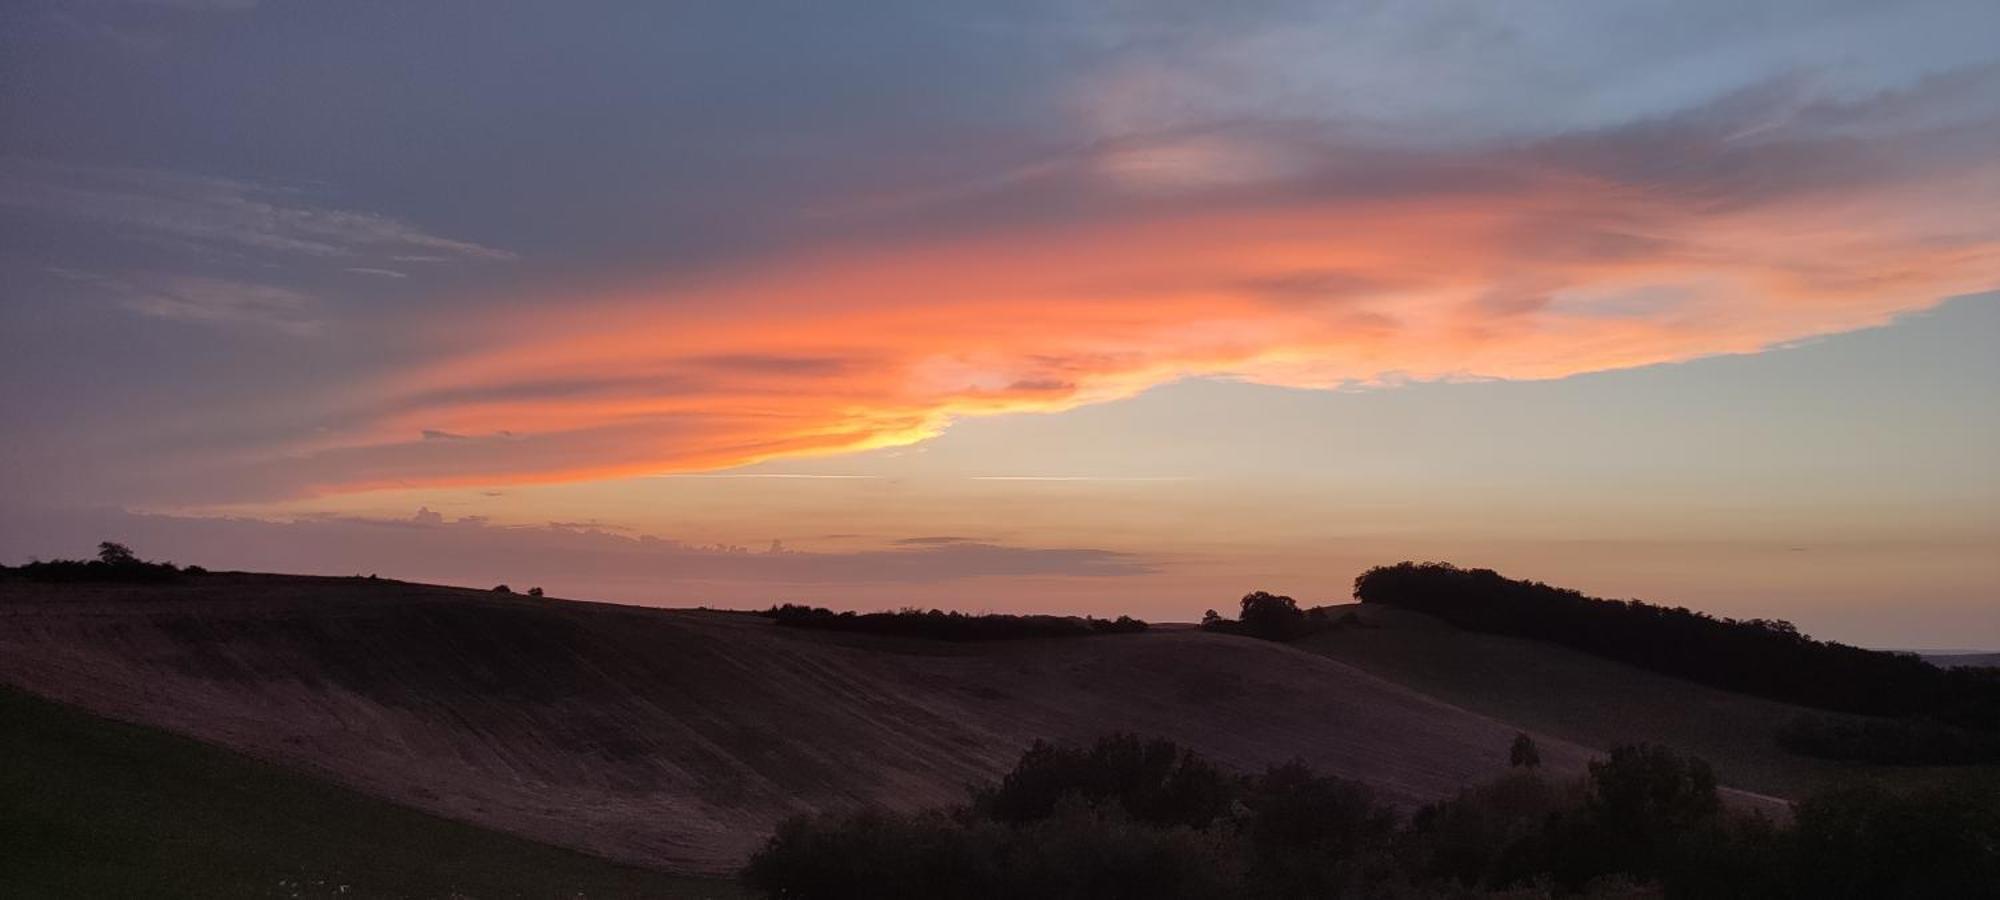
{"x": 95, "y": 808}
{"x": 1590, "y": 700}
{"x": 676, "y": 738}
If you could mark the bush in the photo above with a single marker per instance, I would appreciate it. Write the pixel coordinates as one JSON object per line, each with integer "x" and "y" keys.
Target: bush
{"x": 1154, "y": 781}
{"x": 1080, "y": 852}
{"x": 1132, "y": 817}
{"x": 1312, "y": 835}
{"x": 1865, "y": 842}
{"x": 1493, "y": 835}
{"x": 1524, "y": 753}
{"x": 876, "y": 854}
{"x": 951, "y": 626}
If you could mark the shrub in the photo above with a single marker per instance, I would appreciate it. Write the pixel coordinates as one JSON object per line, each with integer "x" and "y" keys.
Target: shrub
{"x": 1132, "y": 817}
{"x": 1079, "y": 852}
{"x": 1153, "y": 781}
{"x": 1493, "y": 835}
{"x": 1866, "y": 842}
{"x": 1524, "y": 753}
{"x": 1314, "y": 835}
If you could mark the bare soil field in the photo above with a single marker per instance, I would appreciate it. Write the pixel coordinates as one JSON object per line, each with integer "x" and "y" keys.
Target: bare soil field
{"x": 677, "y": 738}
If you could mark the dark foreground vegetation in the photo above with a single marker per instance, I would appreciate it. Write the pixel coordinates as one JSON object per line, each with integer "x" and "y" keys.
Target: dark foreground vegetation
{"x": 94, "y": 808}
{"x": 950, "y": 626}
{"x": 114, "y": 563}
{"x": 1133, "y": 818}
{"x": 1926, "y": 714}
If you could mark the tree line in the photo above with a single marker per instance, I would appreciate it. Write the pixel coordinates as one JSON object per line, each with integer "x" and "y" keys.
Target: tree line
{"x": 115, "y": 562}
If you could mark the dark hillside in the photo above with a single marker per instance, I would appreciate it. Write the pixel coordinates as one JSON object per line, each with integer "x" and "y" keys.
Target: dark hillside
{"x": 1761, "y": 657}
{"x": 679, "y": 738}
{"x": 95, "y": 808}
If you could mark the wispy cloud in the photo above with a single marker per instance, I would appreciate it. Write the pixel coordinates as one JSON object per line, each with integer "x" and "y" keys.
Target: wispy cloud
{"x": 1269, "y": 251}
{"x": 1663, "y": 241}
{"x": 215, "y": 301}
{"x": 217, "y": 211}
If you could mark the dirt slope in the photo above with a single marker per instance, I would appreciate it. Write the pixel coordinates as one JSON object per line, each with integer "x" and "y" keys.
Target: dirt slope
{"x": 1586, "y": 699}
{"x": 677, "y": 738}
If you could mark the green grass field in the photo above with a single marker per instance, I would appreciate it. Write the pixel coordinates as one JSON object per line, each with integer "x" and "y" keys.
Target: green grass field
{"x": 95, "y": 808}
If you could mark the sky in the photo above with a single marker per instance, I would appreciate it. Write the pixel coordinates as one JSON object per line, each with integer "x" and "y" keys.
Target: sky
{"x": 1086, "y": 307}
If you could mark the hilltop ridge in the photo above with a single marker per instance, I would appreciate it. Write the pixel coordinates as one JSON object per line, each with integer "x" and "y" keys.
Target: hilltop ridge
{"x": 677, "y": 738}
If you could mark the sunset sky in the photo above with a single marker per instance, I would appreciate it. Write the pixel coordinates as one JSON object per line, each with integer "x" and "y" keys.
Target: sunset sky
{"x": 1085, "y": 307}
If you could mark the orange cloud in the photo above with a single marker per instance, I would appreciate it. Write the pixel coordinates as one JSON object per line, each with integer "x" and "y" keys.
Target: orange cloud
{"x": 1574, "y": 256}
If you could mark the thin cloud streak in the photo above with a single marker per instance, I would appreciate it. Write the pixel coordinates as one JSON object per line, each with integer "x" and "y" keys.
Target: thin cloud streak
{"x": 214, "y": 210}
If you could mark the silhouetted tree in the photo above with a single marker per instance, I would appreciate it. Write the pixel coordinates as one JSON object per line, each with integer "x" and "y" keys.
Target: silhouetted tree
{"x": 1270, "y": 616}
{"x": 534, "y": 592}
{"x": 502, "y": 589}
{"x": 1524, "y": 753}
{"x": 112, "y": 553}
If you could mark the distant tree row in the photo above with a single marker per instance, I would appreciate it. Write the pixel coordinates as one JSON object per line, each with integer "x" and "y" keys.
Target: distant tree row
{"x": 1764, "y": 657}
{"x": 950, "y": 626}
{"x": 115, "y": 562}
{"x": 1136, "y": 818}
{"x": 1274, "y": 617}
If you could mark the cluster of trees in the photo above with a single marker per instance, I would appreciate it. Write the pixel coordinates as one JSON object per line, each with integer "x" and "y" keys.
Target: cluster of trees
{"x": 1953, "y": 712}
{"x": 1273, "y": 617}
{"x": 950, "y": 626}
{"x": 1149, "y": 819}
{"x": 115, "y": 562}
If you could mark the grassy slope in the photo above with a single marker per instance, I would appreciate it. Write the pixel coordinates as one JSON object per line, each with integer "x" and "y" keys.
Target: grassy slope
{"x": 679, "y": 738}
{"x": 95, "y": 808}
{"x": 1590, "y": 700}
